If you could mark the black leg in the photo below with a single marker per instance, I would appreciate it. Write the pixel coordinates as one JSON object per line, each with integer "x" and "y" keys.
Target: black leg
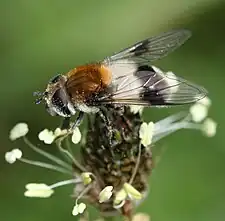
{"x": 78, "y": 120}
{"x": 104, "y": 117}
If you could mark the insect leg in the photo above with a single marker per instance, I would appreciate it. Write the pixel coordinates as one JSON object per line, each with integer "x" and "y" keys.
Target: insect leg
{"x": 78, "y": 120}
{"x": 104, "y": 117}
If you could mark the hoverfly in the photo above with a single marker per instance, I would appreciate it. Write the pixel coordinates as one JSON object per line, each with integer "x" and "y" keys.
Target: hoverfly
{"x": 125, "y": 78}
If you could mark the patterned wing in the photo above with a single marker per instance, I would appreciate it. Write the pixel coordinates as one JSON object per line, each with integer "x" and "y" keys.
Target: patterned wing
{"x": 153, "y": 48}
{"x": 150, "y": 86}
{"x": 136, "y": 82}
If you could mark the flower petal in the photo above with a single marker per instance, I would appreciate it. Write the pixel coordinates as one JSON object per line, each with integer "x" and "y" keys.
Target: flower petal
{"x": 209, "y": 127}
{"x": 132, "y": 192}
{"x": 105, "y": 194}
{"x": 10, "y": 158}
{"x": 46, "y": 136}
{"x": 58, "y": 132}
{"x": 19, "y": 130}
{"x": 13, "y": 155}
{"x": 86, "y": 178}
{"x": 120, "y": 196}
{"x": 76, "y": 137}
{"x": 198, "y": 112}
{"x": 141, "y": 217}
{"x": 75, "y": 211}
{"x": 81, "y": 208}
{"x": 78, "y": 209}
{"x": 39, "y": 190}
{"x": 205, "y": 101}
{"x": 146, "y": 133}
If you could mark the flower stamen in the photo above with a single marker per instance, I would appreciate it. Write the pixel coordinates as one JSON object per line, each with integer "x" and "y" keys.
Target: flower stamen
{"x": 105, "y": 194}
{"x": 46, "y": 165}
{"x": 136, "y": 165}
{"x": 42, "y": 190}
{"x": 39, "y": 190}
{"x": 69, "y": 155}
{"x": 19, "y": 130}
{"x": 86, "y": 178}
{"x": 47, "y": 155}
{"x": 66, "y": 182}
{"x": 13, "y": 155}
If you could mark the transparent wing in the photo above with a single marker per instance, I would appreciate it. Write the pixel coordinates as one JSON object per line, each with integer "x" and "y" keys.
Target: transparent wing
{"x": 134, "y": 82}
{"x": 153, "y": 48}
{"x": 150, "y": 86}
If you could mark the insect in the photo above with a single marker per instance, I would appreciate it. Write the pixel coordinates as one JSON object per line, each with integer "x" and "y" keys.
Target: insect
{"x": 125, "y": 78}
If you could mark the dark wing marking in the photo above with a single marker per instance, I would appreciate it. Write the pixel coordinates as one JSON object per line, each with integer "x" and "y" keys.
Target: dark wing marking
{"x": 153, "y": 48}
{"x": 149, "y": 86}
{"x": 136, "y": 83}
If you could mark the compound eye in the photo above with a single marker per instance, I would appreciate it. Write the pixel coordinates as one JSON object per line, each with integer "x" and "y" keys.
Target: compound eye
{"x": 55, "y": 79}
{"x": 60, "y": 102}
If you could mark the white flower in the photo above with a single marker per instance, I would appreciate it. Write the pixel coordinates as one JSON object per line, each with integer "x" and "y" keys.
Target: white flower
{"x": 120, "y": 197}
{"x": 19, "y": 130}
{"x": 46, "y": 136}
{"x": 13, "y": 155}
{"x": 59, "y": 132}
{"x": 105, "y": 194}
{"x": 78, "y": 209}
{"x": 198, "y": 112}
{"x": 136, "y": 109}
{"x": 141, "y": 217}
{"x": 205, "y": 101}
{"x": 76, "y": 137}
{"x": 209, "y": 127}
{"x": 86, "y": 177}
{"x": 118, "y": 204}
{"x": 146, "y": 133}
{"x": 132, "y": 192}
{"x": 40, "y": 190}
{"x": 127, "y": 190}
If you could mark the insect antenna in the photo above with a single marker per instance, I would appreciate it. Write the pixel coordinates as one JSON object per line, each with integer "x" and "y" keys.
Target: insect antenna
{"x": 40, "y": 96}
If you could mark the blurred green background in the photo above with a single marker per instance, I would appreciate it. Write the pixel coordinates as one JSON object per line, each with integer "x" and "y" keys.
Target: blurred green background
{"x": 45, "y": 37}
